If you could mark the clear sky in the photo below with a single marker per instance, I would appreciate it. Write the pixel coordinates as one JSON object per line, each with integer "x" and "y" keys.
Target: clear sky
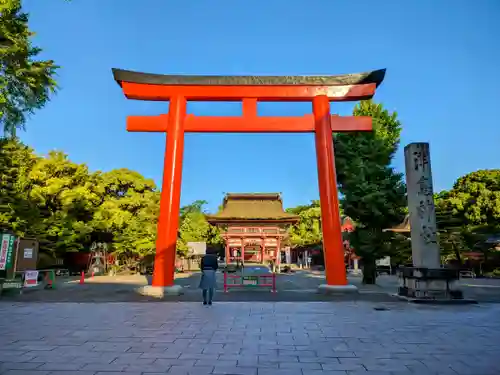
{"x": 442, "y": 59}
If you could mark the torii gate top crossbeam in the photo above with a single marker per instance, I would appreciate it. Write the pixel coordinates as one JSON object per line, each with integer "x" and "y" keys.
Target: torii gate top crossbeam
{"x": 159, "y": 87}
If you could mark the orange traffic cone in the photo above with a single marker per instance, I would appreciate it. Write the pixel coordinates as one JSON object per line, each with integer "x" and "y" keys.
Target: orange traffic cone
{"x": 82, "y": 278}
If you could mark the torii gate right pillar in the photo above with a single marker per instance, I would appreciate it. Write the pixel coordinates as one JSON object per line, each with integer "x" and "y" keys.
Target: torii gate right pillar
{"x": 327, "y": 181}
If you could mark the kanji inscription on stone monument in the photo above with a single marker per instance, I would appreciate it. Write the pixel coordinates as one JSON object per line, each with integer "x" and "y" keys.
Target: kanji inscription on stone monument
{"x": 424, "y": 241}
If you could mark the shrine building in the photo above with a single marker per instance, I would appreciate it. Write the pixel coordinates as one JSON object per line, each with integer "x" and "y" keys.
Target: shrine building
{"x": 254, "y": 227}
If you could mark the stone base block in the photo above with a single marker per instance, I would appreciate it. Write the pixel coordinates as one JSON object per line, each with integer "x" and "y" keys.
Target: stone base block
{"x": 337, "y": 289}
{"x": 160, "y": 291}
{"x": 426, "y": 284}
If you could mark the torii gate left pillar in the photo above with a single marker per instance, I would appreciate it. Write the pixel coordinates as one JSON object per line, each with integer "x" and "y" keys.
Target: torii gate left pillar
{"x": 320, "y": 90}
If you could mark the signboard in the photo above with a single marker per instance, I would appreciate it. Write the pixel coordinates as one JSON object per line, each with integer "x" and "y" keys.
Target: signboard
{"x": 197, "y": 248}
{"x": 6, "y": 250}
{"x": 384, "y": 262}
{"x": 10, "y": 252}
{"x": 28, "y": 253}
{"x": 253, "y": 241}
{"x": 249, "y": 280}
{"x": 30, "y": 278}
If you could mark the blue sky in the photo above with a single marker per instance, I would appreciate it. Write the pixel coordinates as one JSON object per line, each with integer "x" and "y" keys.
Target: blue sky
{"x": 442, "y": 60}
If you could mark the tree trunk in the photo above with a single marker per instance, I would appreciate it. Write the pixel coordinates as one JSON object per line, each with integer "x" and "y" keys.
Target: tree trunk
{"x": 369, "y": 271}
{"x": 457, "y": 253}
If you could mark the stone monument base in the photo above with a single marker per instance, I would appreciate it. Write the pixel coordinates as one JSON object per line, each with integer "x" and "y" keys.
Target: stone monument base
{"x": 337, "y": 289}
{"x": 418, "y": 284}
{"x": 160, "y": 291}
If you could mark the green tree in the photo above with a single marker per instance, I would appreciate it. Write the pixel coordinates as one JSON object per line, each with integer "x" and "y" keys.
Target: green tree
{"x": 194, "y": 227}
{"x": 469, "y": 213}
{"x": 17, "y": 213}
{"x": 451, "y": 229}
{"x": 25, "y": 82}
{"x": 374, "y": 194}
{"x": 475, "y": 197}
{"x": 127, "y": 213}
{"x": 66, "y": 207}
{"x": 65, "y": 195}
{"x": 307, "y": 231}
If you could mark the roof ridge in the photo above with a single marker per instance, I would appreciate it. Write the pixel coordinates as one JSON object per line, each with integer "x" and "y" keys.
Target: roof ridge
{"x": 252, "y": 194}
{"x": 253, "y": 206}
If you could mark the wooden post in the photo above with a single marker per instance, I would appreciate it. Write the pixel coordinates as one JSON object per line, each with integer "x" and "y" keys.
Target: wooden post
{"x": 168, "y": 221}
{"x": 278, "y": 260}
{"x": 242, "y": 252}
{"x": 333, "y": 248}
{"x": 225, "y": 281}
{"x": 277, "y": 253}
{"x": 263, "y": 250}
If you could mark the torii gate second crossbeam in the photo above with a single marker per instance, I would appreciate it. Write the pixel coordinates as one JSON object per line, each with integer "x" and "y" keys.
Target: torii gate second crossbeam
{"x": 178, "y": 89}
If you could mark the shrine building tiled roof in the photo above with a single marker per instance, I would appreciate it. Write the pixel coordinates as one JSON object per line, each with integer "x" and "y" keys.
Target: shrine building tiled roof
{"x": 252, "y": 207}
{"x": 404, "y": 227}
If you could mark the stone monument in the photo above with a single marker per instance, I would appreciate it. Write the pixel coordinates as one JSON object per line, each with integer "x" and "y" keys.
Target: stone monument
{"x": 426, "y": 280}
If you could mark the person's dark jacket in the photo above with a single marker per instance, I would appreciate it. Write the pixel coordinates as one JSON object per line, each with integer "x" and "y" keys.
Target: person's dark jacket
{"x": 209, "y": 262}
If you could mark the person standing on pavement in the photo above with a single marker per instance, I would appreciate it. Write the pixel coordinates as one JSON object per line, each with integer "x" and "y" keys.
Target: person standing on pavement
{"x": 208, "y": 282}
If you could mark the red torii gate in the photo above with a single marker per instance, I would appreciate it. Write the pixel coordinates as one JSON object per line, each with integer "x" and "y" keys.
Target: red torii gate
{"x": 320, "y": 90}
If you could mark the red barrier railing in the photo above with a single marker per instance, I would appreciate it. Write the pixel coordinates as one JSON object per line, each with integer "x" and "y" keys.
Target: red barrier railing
{"x": 253, "y": 281}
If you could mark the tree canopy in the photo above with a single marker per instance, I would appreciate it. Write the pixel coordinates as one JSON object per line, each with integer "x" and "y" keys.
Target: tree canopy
{"x": 67, "y": 207}
{"x": 194, "y": 227}
{"x": 469, "y": 214}
{"x": 25, "y": 81}
{"x": 307, "y": 232}
{"x": 374, "y": 194}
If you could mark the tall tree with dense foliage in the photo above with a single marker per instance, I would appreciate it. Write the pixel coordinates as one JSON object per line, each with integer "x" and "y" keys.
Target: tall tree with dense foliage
{"x": 374, "y": 194}
{"x": 66, "y": 196}
{"x": 17, "y": 212}
{"x": 469, "y": 213}
{"x": 476, "y": 197}
{"x": 25, "y": 81}
{"x": 127, "y": 212}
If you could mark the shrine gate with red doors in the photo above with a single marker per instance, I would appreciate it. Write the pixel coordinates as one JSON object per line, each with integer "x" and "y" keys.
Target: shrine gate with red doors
{"x": 178, "y": 90}
{"x": 254, "y": 227}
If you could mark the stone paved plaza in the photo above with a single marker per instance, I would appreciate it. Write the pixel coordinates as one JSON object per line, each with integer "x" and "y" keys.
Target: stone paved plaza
{"x": 243, "y": 338}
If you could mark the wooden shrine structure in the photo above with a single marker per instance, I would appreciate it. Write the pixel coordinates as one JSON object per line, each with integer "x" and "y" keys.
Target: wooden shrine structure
{"x": 249, "y": 90}
{"x": 254, "y": 227}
